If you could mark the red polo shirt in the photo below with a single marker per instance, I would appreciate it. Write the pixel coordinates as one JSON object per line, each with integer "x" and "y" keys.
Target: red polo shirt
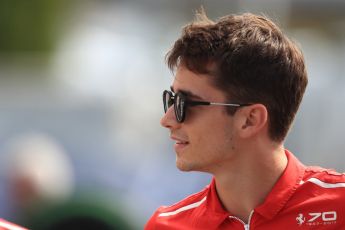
{"x": 302, "y": 198}
{"x": 5, "y": 225}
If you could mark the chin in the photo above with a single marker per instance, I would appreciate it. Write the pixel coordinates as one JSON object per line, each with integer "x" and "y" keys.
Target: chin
{"x": 186, "y": 166}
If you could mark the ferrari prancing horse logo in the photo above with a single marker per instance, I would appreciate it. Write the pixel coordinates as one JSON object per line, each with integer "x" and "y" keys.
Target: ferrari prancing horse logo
{"x": 317, "y": 218}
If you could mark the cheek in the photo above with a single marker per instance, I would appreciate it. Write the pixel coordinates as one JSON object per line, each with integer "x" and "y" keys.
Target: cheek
{"x": 214, "y": 137}
{"x": 222, "y": 135}
{"x": 210, "y": 131}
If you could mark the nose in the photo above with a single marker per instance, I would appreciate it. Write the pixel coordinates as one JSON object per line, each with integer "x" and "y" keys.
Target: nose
{"x": 169, "y": 119}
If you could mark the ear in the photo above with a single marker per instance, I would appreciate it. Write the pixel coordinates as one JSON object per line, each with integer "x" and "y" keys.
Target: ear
{"x": 253, "y": 120}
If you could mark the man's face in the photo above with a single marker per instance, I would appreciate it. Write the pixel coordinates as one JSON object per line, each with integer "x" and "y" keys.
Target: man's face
{"x": 205, "y": 140}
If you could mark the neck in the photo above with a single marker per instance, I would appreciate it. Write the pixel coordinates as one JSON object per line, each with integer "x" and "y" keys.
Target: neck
{"x": 247, "y": 181}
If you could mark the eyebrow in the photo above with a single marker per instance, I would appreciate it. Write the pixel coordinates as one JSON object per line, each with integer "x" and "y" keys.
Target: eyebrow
{"x": 187, "y": 93}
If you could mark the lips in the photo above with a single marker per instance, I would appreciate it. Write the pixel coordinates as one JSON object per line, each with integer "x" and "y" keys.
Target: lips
{"x": 179, "y": 140}
{"x": 180, "y": 143}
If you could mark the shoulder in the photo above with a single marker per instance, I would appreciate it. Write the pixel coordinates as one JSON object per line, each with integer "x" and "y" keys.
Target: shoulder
{"x": 322, "y": 185}
{"x": 5, "y": 225}
{"x": 178, "y": 212}
{"x": 324, "y": 178}
{"x": 319, "y": 199}
{"x": 189, "y": 202}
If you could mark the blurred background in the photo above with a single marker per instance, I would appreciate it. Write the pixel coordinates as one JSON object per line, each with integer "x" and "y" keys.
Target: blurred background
{"x": 80, "y": 103}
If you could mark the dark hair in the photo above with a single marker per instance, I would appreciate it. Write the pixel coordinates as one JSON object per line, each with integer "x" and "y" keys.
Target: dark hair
{"x": 250, "y": 59}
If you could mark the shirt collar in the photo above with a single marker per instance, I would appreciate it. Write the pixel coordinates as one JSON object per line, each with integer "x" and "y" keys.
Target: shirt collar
{"x": 283, "y": 189}
{"x": 276, "y": 199}
{"x": 214, "y": 209}
{"x": 213, "y": 201}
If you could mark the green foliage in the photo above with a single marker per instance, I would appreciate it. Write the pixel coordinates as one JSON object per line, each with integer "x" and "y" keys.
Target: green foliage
{"x": 29, "y": 25}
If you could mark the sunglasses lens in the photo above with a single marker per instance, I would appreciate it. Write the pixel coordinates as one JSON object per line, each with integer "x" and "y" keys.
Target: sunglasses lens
{"x": 180, "y": 107}
{"x": 167, "y": 100}
{"x": 178, "y": 101}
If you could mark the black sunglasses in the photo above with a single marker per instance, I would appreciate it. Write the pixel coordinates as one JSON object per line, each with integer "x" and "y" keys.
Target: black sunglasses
{"x": 180, "y": 102}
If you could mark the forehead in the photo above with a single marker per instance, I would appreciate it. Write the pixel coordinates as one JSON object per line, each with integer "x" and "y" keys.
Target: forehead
{"x": 198, "y": 85}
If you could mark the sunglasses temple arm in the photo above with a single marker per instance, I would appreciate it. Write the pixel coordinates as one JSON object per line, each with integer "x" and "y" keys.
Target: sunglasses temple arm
{"x": 195, "y": 103}
{"x": 225, "y": 104}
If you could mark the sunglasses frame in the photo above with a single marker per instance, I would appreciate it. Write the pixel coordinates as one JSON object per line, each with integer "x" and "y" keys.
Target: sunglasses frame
{"x": 170, "y": 99}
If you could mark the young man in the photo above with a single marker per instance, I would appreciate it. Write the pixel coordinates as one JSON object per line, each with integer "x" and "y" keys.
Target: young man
{"x": 238, "y": 85}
